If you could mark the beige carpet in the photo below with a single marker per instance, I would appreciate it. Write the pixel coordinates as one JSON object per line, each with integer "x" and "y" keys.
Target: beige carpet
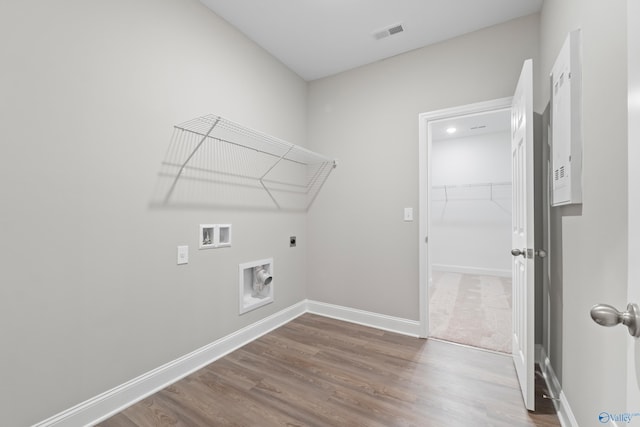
{"x": 472, "y": 310}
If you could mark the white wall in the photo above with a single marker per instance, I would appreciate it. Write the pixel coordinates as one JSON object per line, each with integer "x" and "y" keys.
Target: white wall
{"x": 363, "y": 254}
{"x": 470, "y": 226}
{"x": 589, "y": 245}
{"x": 91, "y": 295}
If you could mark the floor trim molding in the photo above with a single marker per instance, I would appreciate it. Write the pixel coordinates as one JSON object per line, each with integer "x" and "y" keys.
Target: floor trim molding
{"x": 565, "y": 415}
{"x": 366, "y": 318}
{"x": 480, "y": 271}
{"x": 109, "y": 403}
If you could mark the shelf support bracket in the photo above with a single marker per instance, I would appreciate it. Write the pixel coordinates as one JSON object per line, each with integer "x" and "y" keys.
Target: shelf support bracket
{"x": 267, "y": 172}
{"x": 175, "y": 180}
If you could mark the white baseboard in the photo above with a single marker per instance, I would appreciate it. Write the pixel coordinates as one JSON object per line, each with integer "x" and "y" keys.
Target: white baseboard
{"x": 565, "y": 415}
{"x": 539, "y": 354}
{"x": 471, "y": 270}
{"x": 366, "y": 318}
{"x": 109, "y": 403}
{"x": 103, "y": 406}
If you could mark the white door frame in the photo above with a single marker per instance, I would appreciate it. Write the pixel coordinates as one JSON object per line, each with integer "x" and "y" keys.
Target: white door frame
{"x": 633, "y": 111}
{"x": 424, "y": 187}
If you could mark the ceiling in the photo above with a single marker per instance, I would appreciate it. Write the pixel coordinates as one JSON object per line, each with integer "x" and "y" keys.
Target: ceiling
{"x": 319, "y": 38}
{"x": 471, "y": 125}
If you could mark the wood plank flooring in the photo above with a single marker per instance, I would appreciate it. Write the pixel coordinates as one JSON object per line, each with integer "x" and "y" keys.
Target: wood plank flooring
{"x": 316, "y": 371}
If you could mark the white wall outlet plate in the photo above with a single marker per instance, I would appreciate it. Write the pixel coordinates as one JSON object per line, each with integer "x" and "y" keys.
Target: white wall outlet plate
{"x": 183, "y": 255}
{"x": 408, "y": 214}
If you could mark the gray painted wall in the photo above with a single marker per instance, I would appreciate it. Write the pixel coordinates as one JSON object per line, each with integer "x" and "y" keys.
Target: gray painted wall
{"x": 363, "y": 254}
{"x": 90, "y": 92}
{"x": 472, "y": 229}
{"x": 589, "y": 245}
{"x": 90, "y": 293}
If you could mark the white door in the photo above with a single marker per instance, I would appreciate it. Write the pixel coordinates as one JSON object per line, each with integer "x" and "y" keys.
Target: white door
{"x": 522, "y": 233}
{"x": 633, "y": 287}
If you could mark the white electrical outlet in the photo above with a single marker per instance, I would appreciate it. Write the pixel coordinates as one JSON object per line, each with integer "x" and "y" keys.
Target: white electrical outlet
{"x": 183, "y": 255}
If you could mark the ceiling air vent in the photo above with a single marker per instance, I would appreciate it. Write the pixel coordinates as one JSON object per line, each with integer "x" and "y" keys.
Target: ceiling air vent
{"x": 390, "y": 31}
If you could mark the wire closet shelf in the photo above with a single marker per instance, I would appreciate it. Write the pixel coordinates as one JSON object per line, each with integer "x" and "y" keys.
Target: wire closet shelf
{"x": 490, "y": 191}
{"x": 496, "y": 194}
{"x": 213, "y": 161}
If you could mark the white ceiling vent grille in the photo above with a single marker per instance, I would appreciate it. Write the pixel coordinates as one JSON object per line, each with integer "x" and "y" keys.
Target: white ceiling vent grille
{"x": 389, "y": 31}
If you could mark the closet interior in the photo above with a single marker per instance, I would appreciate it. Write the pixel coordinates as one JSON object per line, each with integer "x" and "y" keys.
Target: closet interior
{"x": 470, "y": 231}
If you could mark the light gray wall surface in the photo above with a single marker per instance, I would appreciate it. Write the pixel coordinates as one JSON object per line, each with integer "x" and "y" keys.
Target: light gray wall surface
{"x": 364, "y": 255}
{"x": 90, "y": 293}
{"x": 471, "y": 226}
{"x": 589, "y": 245}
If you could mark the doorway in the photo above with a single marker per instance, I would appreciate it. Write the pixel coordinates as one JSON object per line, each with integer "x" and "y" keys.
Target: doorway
{"x": 465, "y": 205}
{"x": 470, "y": 290}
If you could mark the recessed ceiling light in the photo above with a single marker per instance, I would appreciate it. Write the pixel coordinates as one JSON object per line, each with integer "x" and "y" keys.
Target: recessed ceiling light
{"x": 451, "y": 130}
